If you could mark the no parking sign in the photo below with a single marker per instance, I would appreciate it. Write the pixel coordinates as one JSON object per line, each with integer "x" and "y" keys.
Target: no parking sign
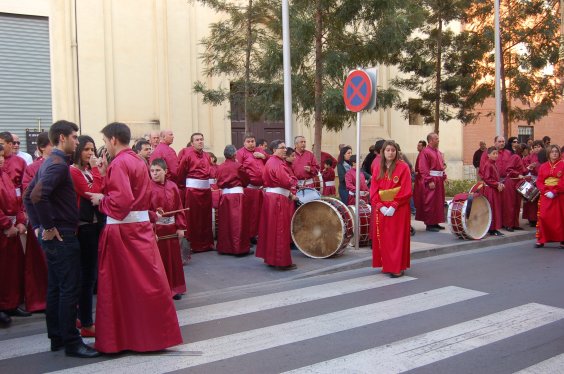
{"x": 359, "y": 91}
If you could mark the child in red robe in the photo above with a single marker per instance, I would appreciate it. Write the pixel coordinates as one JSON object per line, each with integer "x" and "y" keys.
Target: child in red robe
{"x": 492, "y": 190}
{"x": 328, "y": 175}
{"x": 350, "y": 180}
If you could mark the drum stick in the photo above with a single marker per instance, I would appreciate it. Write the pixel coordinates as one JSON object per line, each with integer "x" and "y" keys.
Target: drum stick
{"x": 171, "y": 212}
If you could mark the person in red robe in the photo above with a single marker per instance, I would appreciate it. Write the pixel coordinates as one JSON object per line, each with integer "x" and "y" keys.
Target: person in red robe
{"x": 134, "y": 310}
{"x": 165, "y": 152}
{"x": 350, "y": 181}
{"x": 417, "y": 196}
{"x": 514, "y": 173}
{"x": 216, "y": 192}
{"x": 274, "y": 230}
{"x": 532, "y": 164}
{"x": 165, "y": 197}
{"x": 87, "y": 179}
{"x": 12, "y": 224}
{"x": 430, "y": 185}
{"x": 328, "y": 175}
{"x": 305, "y": 165}
{"x": 550, "y": 182}
{"x": 35, "y": 273}
{"x": 492, "y": 189}
{"x": 253, "y": 160}
{"x": 195, "y": 169}
{"x": 233, "y": 231}
{"x": 390, "y": 191}
{"x": 13, "y": 165}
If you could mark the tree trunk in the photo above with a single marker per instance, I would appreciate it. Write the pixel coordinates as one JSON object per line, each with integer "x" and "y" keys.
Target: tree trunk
{"x": 438, "y": 74}
{"x": 318, "y": 126}
{"x": 248, "y": 62}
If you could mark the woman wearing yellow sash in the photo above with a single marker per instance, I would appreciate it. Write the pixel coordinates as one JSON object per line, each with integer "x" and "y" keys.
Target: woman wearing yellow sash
{"x": 550, "y": 182}
{"x": 390, "y": 192}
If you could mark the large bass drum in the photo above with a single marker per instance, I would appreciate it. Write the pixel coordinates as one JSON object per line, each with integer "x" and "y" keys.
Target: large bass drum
{"x": 364, "y": 220}
{"x": 322, "y": 228}
{"x": 469, "y": 216}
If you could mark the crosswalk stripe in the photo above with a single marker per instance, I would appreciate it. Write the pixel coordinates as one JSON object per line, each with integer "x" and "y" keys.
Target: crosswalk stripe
{"x": 286, "y": 333}
{"x": 412, "y": 353}
{"x": 39, "y": 343}
{"x": 554, "y": 365}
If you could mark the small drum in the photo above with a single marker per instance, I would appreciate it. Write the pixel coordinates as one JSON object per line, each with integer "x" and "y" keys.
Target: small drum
{"x": 305, "y": 195}
{"x": 469, "y": 216}
{"x": 364, "y": 219}
{"x": 528, "y": 190}
{"x": 322, "y": 228}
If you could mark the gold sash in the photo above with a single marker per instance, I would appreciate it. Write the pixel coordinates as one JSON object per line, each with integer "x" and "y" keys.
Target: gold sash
{"x": 551, "y": 181}
{"x": 389, "y": 195}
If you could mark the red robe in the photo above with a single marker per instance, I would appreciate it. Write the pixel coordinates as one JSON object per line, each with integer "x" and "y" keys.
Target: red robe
{"x": 350, "y": 180}
{"x": 326, "y": 156}
{"x": 196, "y": 165}
{"x": 274, "y": 230}
{"x": 134, "y": 309}
{"x": 216, "y": 192}
{"x": 431, "y": 210}
{"x": 11, "y": 251}
{"x": 511, "y": 199}
{"x": 530, "y": 209}
{"x": 550, "y": 225}
{"x": 15, "y": 167}
{"x": 167, "y": 197}
{"x": 35, "y": 273}
{"x": 306, "y": 158}
{"x": 328, "y": 175}
{"x": 254, "y": 167}
{"x": 168, "y": 154}
{"x": 490, "y": 177}
{"x": 233, "y": 231}
{"x": 391, "y": 235}
{"x": 417, "y": 193}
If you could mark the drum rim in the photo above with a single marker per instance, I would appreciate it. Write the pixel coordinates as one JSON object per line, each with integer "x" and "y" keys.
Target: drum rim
{"x": 343, "y": 227}
{"x": 465, "y": 233}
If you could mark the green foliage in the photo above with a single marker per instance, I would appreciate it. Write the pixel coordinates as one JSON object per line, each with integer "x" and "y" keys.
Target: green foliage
{"x": 455, "y": 186}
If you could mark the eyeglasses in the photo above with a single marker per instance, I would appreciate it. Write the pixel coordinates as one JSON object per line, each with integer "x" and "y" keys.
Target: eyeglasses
{"x": 18, "y": 143}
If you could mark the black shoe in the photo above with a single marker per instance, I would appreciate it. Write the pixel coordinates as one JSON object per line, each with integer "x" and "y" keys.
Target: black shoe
{"x": 254, "y": 240}
{"x": 539, "y": 245}
{"x": 293, "y": 247}
{"x": 18, "y": 312}
{"x": 397, "y": 275}
{"x": 518, "y": 228}
{"x": 533, "y": 223}
{"x": 81, "y": 350}
{"x": 496, "y": 233}
{"x": 439, "y": 227}
{"x": 5, "y": 319}
{"x": 432, "y": 228}
{"x": 56, "y": 345}
{"x": 245, "y": 254}
{"x": 289, "y": 267}
{"x": 177, "y": 297}
{"x": 509, "y": 229}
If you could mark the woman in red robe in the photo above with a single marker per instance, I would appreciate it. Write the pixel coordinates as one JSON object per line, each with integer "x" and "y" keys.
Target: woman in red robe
{"x": 134, "y": 310}
{"x": 492, "y": 189}
{"x": 233, "y": 231}
{"x": 165, "y": 197}
{"x": 550, "y": 226}
{"x": 11, "y": 252}
{"x": 532, "y": 164}
{"x": 390, "y": 192}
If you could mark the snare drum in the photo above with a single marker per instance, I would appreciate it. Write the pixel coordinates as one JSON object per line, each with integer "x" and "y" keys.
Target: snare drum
{"x": 305, "y": 195}
{"x": 364, "y": 219}
{"x": 528, "y": 190}
{"x": 322, "y": 228}
{"x": 473, "y": 226}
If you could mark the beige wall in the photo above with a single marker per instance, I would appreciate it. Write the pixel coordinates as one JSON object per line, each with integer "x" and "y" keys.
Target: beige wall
{"x": 135, "y": 61}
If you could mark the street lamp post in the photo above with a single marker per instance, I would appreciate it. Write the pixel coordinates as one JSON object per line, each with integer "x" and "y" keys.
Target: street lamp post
{"x": 287, "y": 72}
{"x": 497, "y": 70}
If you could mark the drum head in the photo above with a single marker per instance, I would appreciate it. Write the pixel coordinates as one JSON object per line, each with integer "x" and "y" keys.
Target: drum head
{"x": 305, "y": 195}
{"x": 478, "y": 224}
{"x": 317, "y": 229}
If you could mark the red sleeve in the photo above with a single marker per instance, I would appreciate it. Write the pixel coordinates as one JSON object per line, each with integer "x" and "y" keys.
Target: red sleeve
{"x": 425, "y": 167}
{"x": 179, "y": 217}
{"x": 314, "y": 165}
{"x": 119, "y": 197}
{"x": 404, "y": 193}
{"x": 243, "y": 176}
{"x": 350, "y": 180}
{"x": 81, "y": 186}
{"x": 489, "y": 175}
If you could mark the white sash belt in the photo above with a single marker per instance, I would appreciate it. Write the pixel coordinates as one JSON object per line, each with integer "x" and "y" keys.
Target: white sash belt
{"x": 212, "y": 181}
{"x": 133, "y": 217}
{"x": 12, "y": 219}
{"x": 330, "y": 183}
{"x": 278, "y": 190}
{"x": 362, "y": 193}
{"x": 254, "y": 187}
{"x": 302, "y": 182}
{"x": 166, "y": 221}
{"x": 197, "y": 183}
{"x": 436, "y": 173}
{"x": 18, "y": 192}
{"x": 227, "y": 191}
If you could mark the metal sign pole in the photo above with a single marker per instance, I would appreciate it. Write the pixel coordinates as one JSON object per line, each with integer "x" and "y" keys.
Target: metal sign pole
{"x": 357, "y": 192}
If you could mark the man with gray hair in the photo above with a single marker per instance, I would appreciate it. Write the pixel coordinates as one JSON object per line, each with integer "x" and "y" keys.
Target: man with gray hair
{"x": 305, "y": 165}
{"x": 233, "y": 230}
{"x": 18, "y": 152}
{"x": 165, "y": 151}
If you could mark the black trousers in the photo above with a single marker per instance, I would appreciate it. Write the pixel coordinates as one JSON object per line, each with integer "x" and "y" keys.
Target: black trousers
{"x": 63, "y": 287}
{"x": 88, "y": 239}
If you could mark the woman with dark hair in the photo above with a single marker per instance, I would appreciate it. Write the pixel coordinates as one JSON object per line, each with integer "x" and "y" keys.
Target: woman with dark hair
{"x": 532, "y": 165}
{"x": 344, "y": 165}
{"x": 389, "y": 195}
{"x": 550, "y": 182}
{"x": 511, "y": 199}
{"x": 86, "y": 178}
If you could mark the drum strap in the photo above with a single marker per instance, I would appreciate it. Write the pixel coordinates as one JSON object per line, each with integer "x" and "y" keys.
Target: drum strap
{"x": 469, "y": 205}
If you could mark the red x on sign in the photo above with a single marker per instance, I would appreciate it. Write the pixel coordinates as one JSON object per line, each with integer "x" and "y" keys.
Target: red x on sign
{"x": 357, "y": 91}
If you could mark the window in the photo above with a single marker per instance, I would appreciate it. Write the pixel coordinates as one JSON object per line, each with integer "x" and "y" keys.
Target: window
{"x": 525, "y": 133}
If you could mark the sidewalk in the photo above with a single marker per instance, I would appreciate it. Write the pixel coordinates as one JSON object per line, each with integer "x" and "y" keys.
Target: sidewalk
{"x": 208, "y": 272}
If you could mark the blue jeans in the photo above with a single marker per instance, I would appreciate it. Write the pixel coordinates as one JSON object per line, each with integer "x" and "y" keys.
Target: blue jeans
{"x": 63, "y": 287}
{"x": 88, "y": 238}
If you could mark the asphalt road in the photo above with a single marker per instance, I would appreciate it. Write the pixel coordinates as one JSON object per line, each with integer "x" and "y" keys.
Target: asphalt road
{"x": 495, "y": 310}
